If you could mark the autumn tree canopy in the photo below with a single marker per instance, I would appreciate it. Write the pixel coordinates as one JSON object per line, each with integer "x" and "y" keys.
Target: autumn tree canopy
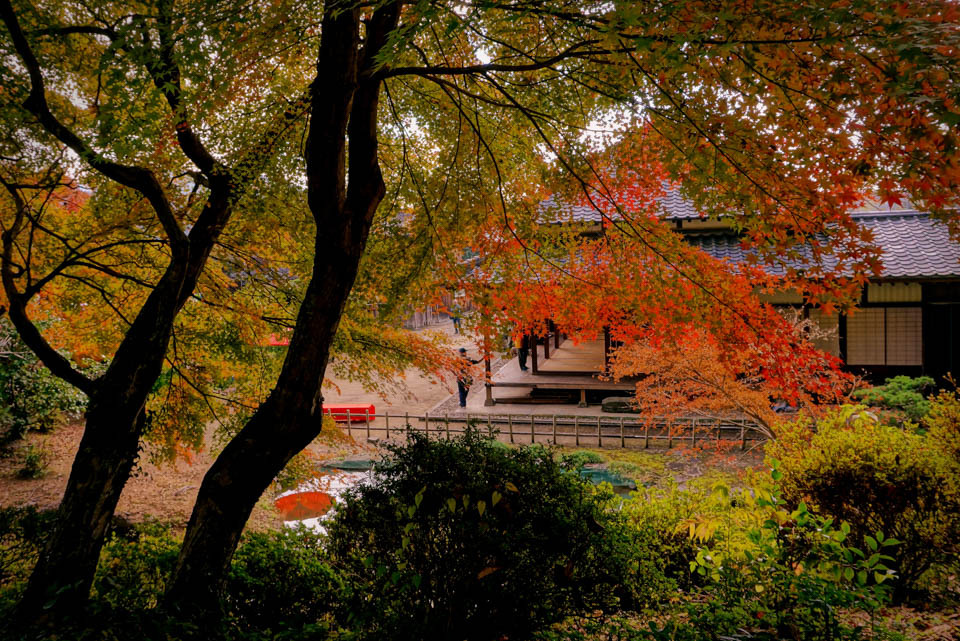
{"x": 247, "y": 166}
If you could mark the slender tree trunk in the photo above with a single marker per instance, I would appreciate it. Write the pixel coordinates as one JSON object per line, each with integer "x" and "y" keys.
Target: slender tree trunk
{"x": 61, "y": 580}
{"x": 64, "y": 573}
{"x": 345, "y": 101}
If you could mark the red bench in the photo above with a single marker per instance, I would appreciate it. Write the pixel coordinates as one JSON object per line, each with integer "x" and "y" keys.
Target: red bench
{"x": 358, "y": 413}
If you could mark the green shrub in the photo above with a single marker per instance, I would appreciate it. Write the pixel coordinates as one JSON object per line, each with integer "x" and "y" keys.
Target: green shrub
{"x": 467, "y": 540}
{"x": 23, "y": 531}
{"x": 790, "y": 576}
{"x": 902, "y": 396}
{"x": 876, "y": 478}
{"x": 943, "y": 423}
{"x": 31, "y": 398}
{"x": 281, "y": 580}
{"x": 134, "y": 568}
{"x": 577, "y": 459}
{"x": 36, "y": 460}
{"x": 661, "y": 516}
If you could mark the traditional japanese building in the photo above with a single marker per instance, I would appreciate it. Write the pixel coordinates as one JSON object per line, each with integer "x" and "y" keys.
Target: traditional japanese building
{"x": 907, "y": 322}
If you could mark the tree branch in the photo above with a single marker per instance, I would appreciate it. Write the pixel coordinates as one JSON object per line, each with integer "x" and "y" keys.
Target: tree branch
{"x": 137, "y": 178}
{"x": 29, "y": 333}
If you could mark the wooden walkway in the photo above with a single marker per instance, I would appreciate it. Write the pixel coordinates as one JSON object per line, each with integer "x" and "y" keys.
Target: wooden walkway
{"x": 585, "y": 357}
{"x": 570, "y": 367}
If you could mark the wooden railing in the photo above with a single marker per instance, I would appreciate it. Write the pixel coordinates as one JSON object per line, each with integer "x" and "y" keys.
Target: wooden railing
{"x": 557, "y": 429}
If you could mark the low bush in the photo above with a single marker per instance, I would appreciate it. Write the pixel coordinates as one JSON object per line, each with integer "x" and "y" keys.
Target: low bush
{"x": 36, "y": 461}
{"x": 791, "y": 576}
{"x": 876, "y": 478}
{"x": 577, "y": 459}
{"x": 662, "y": 516}
{"x": 468, "y": 540}
{"x": 902, "y": 397}
{"x": 134, "y": 567}
{"x": 943, "y": 423}
{"x": 281, "y": 580}
{"x": 763, "y": 572}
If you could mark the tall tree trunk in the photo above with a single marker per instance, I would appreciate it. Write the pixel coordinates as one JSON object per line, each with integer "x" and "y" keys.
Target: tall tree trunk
{"x": 344, "y": 106}
{"x": 61, "y": 580}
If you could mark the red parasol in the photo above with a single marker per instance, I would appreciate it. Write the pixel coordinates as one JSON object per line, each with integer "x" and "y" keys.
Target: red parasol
{"x": 303, "y": 505}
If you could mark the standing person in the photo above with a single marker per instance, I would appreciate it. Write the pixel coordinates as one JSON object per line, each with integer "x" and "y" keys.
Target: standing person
{"x": 522, "y": 344}
{"x": 455, "y": 317}
{"x": 464, "y": 380}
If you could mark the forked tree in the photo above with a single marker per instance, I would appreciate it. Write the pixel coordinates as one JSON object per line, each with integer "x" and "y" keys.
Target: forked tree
{"x": 786, "y": 113}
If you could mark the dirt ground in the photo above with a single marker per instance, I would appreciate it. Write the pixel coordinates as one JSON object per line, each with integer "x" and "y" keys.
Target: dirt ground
{"x": 167, "y": 492}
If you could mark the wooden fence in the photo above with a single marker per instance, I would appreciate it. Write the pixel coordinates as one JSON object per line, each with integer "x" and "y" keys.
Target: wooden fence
{"x": 556, "y": 429}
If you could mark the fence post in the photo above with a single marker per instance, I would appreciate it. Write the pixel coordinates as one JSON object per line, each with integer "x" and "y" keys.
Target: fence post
{"x": 447, "y": 422}
{"x": 576, "y": 430}
{"x": 510, "y": 423}
{"x": 533, "y": 430}
{"x": 349, "y": 425}
{"x": 406, "y": 420}
{"x": 366, "y": 416}
{"x": 623, "y": 444}
{"x": 426, "y": 423}
{"x": 489, "y": 425}
{"x": 669, "y": 436}
{"x": 743, "y": 435}
{"x": 599, "y": 434}
{"x": 386, "y": 419}
{"x": 554, "y": 429}
{"x": 693, "y": 434}
{"x": 646, "y": 434}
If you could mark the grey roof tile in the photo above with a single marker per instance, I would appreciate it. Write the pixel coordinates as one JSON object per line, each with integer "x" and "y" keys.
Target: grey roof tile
{"x": 914, "y": 245}
{"x": 673, "y": 207}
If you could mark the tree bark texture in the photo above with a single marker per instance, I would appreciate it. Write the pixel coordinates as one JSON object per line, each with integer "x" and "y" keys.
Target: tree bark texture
{"x": 344, "y": 107}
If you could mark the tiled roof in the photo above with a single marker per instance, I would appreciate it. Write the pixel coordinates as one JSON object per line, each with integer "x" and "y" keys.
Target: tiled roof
{"x": 673, "y": 206}
{"x": 914, "y": 245}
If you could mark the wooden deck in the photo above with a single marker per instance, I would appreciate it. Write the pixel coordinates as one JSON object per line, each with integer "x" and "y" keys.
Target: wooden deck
{"x": 570, "y": 367}
{"x": 585, "y": 358}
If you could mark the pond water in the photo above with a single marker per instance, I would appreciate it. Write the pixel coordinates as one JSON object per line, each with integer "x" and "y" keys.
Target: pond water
{"x": 310, "y": 503}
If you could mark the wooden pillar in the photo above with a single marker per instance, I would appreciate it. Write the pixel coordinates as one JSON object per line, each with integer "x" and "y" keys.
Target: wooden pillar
{"x": 546, "y": 343}
{"x": 488, "y": 378}
{"x": 532, "y": 341}
{"x": 488, "y": 385}
{"x": 556, "y": 335}
{"x": 606, "y": 348}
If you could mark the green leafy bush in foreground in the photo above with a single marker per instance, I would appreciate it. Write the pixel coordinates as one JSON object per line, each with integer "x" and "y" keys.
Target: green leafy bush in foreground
{"x": 279, "y": 584}
{"x": 762, "y": 570}
{"x": 282, "y": 580}
{"x": 467, "y": 540}
{"x": 791, "y": 576}
{"x": 876, "y": 478}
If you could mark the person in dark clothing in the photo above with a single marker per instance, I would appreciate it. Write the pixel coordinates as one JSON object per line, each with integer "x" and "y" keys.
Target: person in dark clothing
{"x": 464, "y": 380}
